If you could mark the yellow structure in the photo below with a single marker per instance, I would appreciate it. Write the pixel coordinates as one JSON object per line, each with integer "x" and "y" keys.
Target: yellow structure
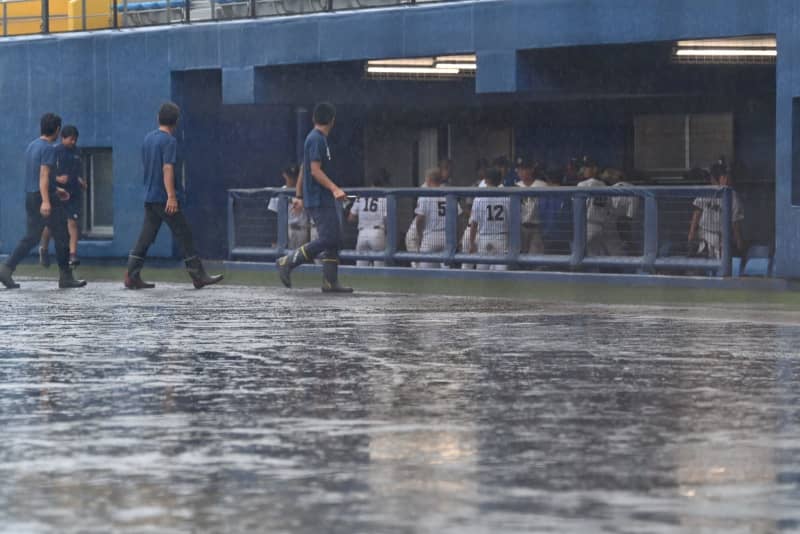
{"x": 25, "y": 17}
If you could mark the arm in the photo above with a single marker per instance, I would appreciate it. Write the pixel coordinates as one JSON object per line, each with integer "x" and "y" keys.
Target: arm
{"x": 473, "y": 232}
{"x": 695, "y": 222}
{"x": 44, "y": 189}
{"x": 297, "y": 201}
{"x": 420, "y": 227}
{"x": 322, "y": 179}
{"x": 169, "y": 184}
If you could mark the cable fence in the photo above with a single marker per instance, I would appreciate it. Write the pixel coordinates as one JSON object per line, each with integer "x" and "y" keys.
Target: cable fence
{"x": 618, "y": 229}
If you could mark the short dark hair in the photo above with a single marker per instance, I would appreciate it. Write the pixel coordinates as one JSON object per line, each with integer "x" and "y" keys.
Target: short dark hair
{"x": 69, "y": 131}
{"x": 381, "y": 178}
{"x": 324, "y": 113}
{"x": 494, "y": 176}
{"x": 49, "y": 124}
{"x": 168, "y": 114}
{"x": 292, "y": 170}
{"x": 718, "y": 170}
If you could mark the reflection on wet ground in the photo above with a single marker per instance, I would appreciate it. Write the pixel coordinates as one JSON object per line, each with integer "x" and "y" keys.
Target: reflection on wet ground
{"x": 263, "y": 410}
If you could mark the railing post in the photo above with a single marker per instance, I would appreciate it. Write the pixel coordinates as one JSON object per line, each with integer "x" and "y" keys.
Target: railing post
{"x": 650, "y": 246}
{"x": 5, "y": 19}
{"x": 514, "y": 228}
{"x": 231, "y": 226}
{"x": 451, "y": 226}
{"x": 45, "y": 16}
{"x": 283, "y": 223}
{"x": 83, "y": 15}
{"x": 391, "y": 229}
{"x": 252, "y": 8}
{"x": 578, "y": 230}
{"x": 187, "y": 14}
{"x": 727, "y": 201}
{"x": 115, "y": 14}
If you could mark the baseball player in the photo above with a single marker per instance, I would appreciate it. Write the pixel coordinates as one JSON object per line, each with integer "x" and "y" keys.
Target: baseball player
{"x": 370, "y": 213}
{"x": 318, "y": 193}
{"x": 431, "y": 214}
{"x": 298, "y": 220}
{"x": 531, "y": 235}
{"x": 602, "y": 236}
{"x": 707, "y": 217}
{"x": 488, "y": 224}
{"x": 68, "y": 175}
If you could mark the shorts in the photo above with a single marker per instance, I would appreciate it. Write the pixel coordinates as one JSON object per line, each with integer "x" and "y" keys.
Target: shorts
{"x": 74, "y": 207}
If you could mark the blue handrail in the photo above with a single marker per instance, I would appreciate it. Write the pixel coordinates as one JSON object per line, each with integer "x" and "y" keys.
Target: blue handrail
{"x": 648, "y": 262}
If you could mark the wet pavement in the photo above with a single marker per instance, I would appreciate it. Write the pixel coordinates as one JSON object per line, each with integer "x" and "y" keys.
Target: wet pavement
{"x": 241, "y": 409}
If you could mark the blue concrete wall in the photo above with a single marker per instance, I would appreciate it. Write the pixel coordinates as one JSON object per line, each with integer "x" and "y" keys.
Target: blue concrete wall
{"x": 111, "y": 83}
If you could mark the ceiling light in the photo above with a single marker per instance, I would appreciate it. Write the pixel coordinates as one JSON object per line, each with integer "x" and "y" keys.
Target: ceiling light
{"x": 463, "y": 66}
{"x": 727, "y": 52}
{"x": 410, "y": 70}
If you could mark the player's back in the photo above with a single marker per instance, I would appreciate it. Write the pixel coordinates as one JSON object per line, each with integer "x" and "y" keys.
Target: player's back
{"x": 371, "y": 212}
{"x": 491, "y": 215}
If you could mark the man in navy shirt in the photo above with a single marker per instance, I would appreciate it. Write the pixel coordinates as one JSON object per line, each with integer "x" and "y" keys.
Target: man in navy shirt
{"x": 162, "y": 203}
{"x": 68, "y": 176}
{"x": 40, "y": 187}
{"x": 319, "y": 195}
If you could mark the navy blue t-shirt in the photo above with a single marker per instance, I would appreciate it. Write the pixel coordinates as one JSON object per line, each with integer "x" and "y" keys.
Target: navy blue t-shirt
{"x": 38, "y": 153}
{"x": 68, "y": 162}
{"x": 159, "y": 149}
{"x": 316, "y": 149}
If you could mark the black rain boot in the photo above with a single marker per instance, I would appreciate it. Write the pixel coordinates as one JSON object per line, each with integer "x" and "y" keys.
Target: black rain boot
{"x": 133, "y": 278}
{"x": 5, "y": 277}
{"x": 330, "y": 278}
{"x": 67, "y": 281}
{"x": 200, "y": 278}
{"x": 289, "y": 262}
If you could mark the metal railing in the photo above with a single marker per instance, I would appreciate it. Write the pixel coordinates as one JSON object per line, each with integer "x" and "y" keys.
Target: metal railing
{"x": 27, "y": 17}
{"x": 657, "y": 240}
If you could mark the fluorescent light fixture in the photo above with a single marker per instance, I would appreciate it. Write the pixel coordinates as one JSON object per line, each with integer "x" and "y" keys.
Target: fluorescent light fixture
{"x": 410, "y": 70}
{"x": 461, "y": 66}
{"x": 725, "y": 52}
{"x": 766, "y": 41}
{"x": 410, "y": 62}
{"x": 467, "y": 58}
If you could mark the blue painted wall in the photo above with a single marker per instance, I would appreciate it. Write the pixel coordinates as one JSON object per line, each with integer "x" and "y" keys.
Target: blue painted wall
{"x": 111, "y": 83}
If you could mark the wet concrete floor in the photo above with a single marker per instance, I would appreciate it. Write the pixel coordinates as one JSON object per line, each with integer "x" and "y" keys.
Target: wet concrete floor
{"x": 242, "y": 409}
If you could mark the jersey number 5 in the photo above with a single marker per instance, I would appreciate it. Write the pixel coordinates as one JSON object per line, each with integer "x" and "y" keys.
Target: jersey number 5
{"x": 441, "y": 207}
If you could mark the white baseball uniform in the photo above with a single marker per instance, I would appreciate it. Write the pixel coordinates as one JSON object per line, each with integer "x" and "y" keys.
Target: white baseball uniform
{"x": 602, "y": 236}
{"x": 530, "y": 235}
{"x": 491, "y": 216}
{"x": 298, "y": 223}
{"x": 434, "y": 209}
{"x": 711, "y": 221}
{"x": 371, "y": 213}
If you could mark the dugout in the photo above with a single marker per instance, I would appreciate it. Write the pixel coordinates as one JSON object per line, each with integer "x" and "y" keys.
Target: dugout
{"x": 633, "y": 107}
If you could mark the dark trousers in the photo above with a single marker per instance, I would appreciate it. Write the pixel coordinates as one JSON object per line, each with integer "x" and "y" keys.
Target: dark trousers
{"x": 57, "y": 222}
{"x": 329, "y": 235}
{"x": 154, "y": 215}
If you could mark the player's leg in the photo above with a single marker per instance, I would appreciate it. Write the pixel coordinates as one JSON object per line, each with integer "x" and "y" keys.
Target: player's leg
{"x": 35, "y": 224}
{"x": 482, "y": 244}
{"x": 57, "y": 222}
{"x": 147, "y": 235}
{"x": 431, "y": 242}
{"x": 73, "y": 214}
{"x": 465, "y": 244}
{"x": 182, "y": 233}
{"x": 44, "y": 248}
{"x": 500, "y": 247}
{"x": 330, "y": 237}
{"x": 362, "y": 245}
